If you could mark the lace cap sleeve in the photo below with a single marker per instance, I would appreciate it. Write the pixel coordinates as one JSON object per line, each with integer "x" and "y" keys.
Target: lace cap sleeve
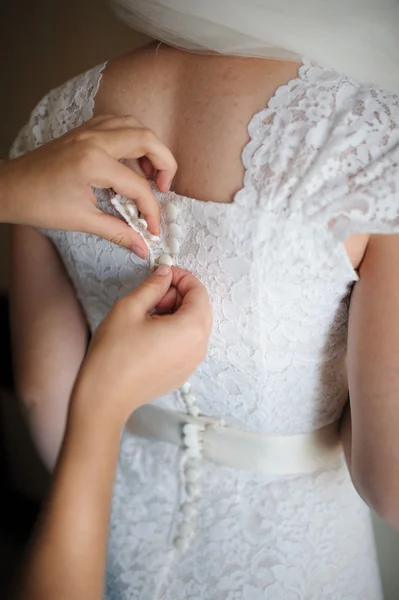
{"x": 353, "y": 186}
{"x": 61, "y": 110}
{"x": 33, "y": 133}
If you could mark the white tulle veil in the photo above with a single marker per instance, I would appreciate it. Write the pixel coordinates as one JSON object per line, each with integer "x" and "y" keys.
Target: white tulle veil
{"x": 357, "y": 37}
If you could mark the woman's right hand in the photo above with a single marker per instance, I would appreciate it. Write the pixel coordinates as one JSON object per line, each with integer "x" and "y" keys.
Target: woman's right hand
{"x": 134, "y": 356}
{"x": 52, "y": 186}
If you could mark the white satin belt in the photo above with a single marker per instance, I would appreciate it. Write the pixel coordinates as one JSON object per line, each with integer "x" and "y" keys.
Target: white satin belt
{"x": 239, "y": 449}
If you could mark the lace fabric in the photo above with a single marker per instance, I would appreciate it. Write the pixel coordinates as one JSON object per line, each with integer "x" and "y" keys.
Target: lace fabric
{"x": 320, "y": 165}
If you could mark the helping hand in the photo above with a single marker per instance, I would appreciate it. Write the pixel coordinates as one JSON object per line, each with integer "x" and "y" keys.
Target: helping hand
{"x": 135, "y": 356}
{"x": 52, "y": 186}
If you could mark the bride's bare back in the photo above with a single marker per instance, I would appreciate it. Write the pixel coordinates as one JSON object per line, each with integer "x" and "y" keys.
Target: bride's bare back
{"x": 200, "y": 106}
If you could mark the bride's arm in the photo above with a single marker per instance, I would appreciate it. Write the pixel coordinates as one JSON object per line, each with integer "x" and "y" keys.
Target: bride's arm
{"x": 370, "y": 428}
{"x": 49, "y": 335}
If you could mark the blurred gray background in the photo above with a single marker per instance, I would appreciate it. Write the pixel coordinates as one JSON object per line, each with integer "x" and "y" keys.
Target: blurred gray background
{"x": 43, "y": 43}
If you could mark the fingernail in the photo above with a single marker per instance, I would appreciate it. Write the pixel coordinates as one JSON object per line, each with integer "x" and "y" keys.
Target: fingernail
{"x": 163, "y": 270}
{"x": 139, "y": 251}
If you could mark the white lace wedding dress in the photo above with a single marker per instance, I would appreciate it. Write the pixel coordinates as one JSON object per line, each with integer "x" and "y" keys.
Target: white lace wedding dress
{"x": 321, "y": 164}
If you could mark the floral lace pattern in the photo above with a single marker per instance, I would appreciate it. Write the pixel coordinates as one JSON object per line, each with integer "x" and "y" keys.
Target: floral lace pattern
{"x": 321, "y": 164}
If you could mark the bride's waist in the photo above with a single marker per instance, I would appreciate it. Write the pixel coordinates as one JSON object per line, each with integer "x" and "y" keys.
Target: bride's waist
{"x": 211, "y": 439}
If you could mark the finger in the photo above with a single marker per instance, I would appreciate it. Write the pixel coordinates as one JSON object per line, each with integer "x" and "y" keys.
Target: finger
{"x": 146, "y": 167}
{"x": 97, "y": 121}
{"x": 117, "y": 231}
{"x": 195, "y": 300}
{"x": 126, "y": 182}
{"x": 136, "y": 142}
{"x": 151, "y": 292}
{"x": 186, "y": 283}
{"x": 183, "y": 282}
{"x": 92, "y": 124}
{"x": 169, "y": 303}
{"x": 120, "y": 122}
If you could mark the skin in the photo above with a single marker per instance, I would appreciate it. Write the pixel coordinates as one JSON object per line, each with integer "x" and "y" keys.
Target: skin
{"x": 52, "y": 187}
{"x": 212, "y": 99}
{"x": 68, "y": 552}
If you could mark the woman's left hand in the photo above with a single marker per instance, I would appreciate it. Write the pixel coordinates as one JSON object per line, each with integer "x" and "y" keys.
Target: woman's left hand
{"x": 136, "y": 356}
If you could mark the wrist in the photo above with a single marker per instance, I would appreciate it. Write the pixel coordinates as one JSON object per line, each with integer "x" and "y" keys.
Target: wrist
{"x": 97, "y": 419}
{"x": 88, "y": 421}
{"x": 12, "y": 191}
{"x": 99, "y": 407}
{"x": 89, "y": 450}
{"x": 4, "y": 191}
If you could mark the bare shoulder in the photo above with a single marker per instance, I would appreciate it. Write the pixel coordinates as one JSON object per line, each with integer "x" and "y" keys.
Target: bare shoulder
{"x": 137, "y": 71}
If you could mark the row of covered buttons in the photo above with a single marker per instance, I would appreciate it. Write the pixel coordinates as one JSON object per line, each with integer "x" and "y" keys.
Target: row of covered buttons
{"x": 192, "y": 433}
{"x": 193, "y": 443}
{"x": 174, "y": 238}
{"x": 128, "y": 210}
{"x": 193, "y": 440}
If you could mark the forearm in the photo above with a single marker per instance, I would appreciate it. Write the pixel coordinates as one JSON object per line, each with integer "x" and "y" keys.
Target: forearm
{"x": 68, "y": 553}
{"x": 4, "y": 195}
{"x": 13, "y": 191}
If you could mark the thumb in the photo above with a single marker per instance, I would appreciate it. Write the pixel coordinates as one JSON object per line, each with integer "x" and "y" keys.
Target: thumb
{"x": 118, "y": 232}
{"x": 150, "y": 293}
